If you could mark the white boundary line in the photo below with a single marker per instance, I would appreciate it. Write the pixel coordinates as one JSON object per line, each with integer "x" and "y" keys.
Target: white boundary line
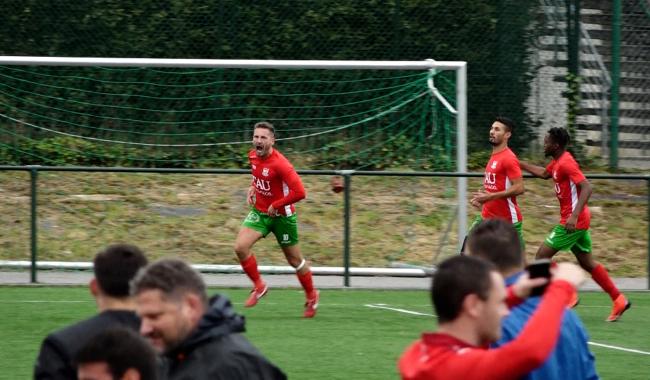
{"x": 405, "y": 311}
{"x": 619, "y": 348}
{"x": 387, "y": 307}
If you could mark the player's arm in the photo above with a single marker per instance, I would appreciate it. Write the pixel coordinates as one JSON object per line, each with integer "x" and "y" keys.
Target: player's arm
{"x": 516, "y": 188}
{"x": 537, "y": 171}
{"x": 536, "y": 341}
{"x": 585, "y": 193}
{"x": 250, "y": 197}
{"x": 296, "y": 189}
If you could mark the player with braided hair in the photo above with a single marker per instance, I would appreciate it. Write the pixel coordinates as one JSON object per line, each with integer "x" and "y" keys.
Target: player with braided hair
{"x": 572, "y": 233}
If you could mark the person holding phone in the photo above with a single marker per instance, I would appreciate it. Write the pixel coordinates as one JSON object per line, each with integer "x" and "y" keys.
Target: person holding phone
{"x": 469, "y": 298}
{"x": 496, "y": 241}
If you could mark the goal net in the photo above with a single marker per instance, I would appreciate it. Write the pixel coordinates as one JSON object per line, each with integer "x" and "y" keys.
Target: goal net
{"x": 119, "y": 113}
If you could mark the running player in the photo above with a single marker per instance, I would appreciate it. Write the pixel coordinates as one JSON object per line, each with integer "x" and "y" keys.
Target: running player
{"x": 572, "y": 234}
{"x": 275, "y": 188}
{"x": 502, "y": 183}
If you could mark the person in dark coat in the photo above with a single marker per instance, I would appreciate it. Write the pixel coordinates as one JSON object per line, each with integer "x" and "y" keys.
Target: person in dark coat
{"x": 199, "y": 338}
{"x": 114, "y": 268}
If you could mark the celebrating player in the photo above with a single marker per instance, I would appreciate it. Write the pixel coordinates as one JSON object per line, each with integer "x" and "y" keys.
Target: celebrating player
{"x": 572, "y": 234}
{"x": 503, "y": 181}
{"x": 275, "y": 188}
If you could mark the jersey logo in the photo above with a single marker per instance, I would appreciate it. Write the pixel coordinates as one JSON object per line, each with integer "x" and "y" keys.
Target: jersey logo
{"x": 494, "y": 164}
{"x": 265, "y": 172}
{"x": 261, "y": 184}
{"x": 555, "y": 174}
{"x": 252, "y": 217}
{"x": 490, "y": 178}
{"x": 254, "y": 167}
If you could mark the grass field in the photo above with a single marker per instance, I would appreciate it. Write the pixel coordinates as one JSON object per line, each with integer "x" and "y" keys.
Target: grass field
{"x": 356, "y": 335}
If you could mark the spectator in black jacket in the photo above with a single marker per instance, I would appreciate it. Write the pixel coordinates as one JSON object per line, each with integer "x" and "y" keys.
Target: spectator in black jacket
{"x": 114, "y": 268}
{"x": 198, "y": 338}
{"x": 118, "y": 353}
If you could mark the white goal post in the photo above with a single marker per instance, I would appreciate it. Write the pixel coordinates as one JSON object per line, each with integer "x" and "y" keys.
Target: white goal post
{"x": 460, "y": 67}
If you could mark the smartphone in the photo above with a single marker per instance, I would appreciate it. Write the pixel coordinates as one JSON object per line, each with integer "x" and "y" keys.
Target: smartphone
{"x": 539, "y": 268}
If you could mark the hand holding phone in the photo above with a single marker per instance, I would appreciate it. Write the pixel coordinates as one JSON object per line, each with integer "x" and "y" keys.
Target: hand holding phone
{"x": 539, "y": 268}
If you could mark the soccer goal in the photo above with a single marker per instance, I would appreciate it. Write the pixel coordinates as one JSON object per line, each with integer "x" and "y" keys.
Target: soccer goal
{"x": 197, "y": 113}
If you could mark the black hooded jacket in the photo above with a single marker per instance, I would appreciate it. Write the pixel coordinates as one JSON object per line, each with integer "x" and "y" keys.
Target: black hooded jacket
{"x": 54, "y": 360}
{"x": 218, "y": 350}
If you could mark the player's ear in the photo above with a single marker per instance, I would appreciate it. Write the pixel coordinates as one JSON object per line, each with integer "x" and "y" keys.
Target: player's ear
{"x": 193, "y": 306}
{"x": 93, "y": 285}
{"x": 473, "y": 305}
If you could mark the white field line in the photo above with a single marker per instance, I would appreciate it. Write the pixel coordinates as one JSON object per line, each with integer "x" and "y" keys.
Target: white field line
{"x": 619, "y": 348}
{"x": 387, "y": 307}
{"x": 405, "y": 311}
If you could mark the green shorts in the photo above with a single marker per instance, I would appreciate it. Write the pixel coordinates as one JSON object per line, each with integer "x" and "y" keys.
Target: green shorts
{"x": 518, "y": 226}
{"x": 285, "y": 228}
{"x": 579, "y": 241}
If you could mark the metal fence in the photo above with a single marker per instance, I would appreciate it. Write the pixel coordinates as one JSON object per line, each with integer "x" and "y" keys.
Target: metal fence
{"x": 347, "y": 206}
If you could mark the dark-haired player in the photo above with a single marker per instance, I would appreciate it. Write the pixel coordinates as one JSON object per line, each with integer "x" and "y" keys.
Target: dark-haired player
{"x": 572, "y": 233}
{"x": 275, "y": 188}
{"x": 114, "y": 267}
{"x": 502, "y": 181}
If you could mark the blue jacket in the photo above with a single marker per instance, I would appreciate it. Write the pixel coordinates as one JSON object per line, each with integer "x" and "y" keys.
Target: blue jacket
{"x": 570, "y": 359}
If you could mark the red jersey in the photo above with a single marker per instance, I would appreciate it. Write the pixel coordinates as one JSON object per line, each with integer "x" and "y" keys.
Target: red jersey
{"x": 441, "y": 356}
{"x": 567, "y": 175}
{"x": 276, "y": 183}
{"x": 500, "y": 171}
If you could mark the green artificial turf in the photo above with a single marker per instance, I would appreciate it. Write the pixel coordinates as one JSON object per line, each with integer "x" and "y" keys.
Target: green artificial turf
{"x": 347, "y": 340}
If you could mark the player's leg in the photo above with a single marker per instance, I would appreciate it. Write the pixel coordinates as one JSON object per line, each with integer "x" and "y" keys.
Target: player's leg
{"x": 252, "y": 230}
{"x": 582, "y": 251}
{"x": 475, "y": 222}
{"x": 303, "y": 271}
{"x": 553, "y": 243}
{"x": 556, "y": 241}
{"x": 519, "y": 227}
{"x": 545, "y": 252}
{"x": 286, "y": 233}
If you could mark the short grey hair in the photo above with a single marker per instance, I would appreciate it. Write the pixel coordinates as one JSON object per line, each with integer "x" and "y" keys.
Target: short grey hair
{"x": 173, "y": 277}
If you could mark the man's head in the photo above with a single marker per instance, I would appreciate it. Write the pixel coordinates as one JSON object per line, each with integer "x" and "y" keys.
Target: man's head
{"x": 114, "y": 268}
{"x": 171, "y": 299}
{"x": 116, "y": 354}
{"x": 263, "y": 138}
{"x": 470, "y": 289}
{"x": 497, "y": 241}
{"x": 555, "y": 141}
{"x": 501, "y": 131}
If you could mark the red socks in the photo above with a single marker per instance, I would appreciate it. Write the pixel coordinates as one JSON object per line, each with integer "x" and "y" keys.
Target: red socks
{"x": 600, "y": 275}
{"x": 250, "y": 267}
{"x": 306, "y": 282}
